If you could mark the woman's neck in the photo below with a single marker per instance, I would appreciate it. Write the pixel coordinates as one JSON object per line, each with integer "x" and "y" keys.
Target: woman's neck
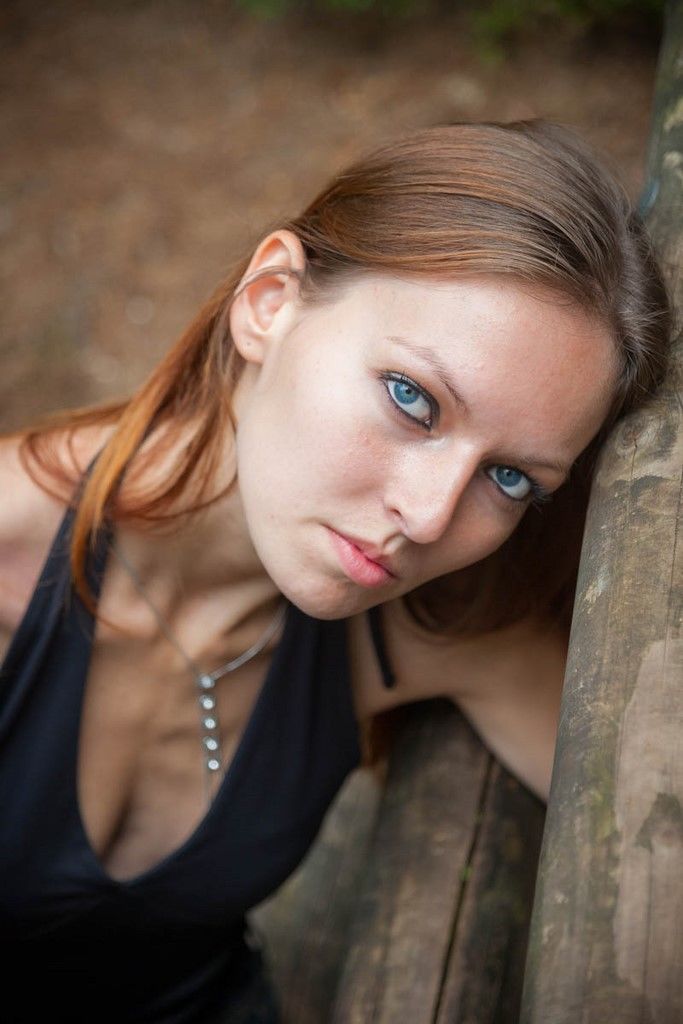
{"x": 203, "y": 560}
{"x": 206, "y": 550}
{"x": 204, "y": 580}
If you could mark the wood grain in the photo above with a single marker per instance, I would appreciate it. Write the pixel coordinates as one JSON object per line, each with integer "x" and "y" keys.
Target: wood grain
{"x": 607, "y": 932}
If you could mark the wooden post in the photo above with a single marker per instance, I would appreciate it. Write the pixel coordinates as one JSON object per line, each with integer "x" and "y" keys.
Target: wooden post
{"x": 441, "y": 923}
{"x": 606, "y": 943}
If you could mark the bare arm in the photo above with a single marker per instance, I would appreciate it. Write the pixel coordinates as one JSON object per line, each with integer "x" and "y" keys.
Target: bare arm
{"x": 515, "y": 709}
{"x": 508, "y": 684}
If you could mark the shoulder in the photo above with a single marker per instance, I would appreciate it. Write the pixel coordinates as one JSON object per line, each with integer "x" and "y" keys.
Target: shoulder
{"x": 415, "y": 658}
{"x": 29, "y": 518}
{"x": 461, "y": 668}
{"x": 25, "y": 509}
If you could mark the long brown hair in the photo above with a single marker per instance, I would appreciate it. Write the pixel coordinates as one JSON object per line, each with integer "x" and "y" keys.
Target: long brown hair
{"x": 527, "y": 199}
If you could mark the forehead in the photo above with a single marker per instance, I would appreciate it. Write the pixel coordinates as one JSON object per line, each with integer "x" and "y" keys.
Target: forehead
{"x": 490, "y": 318}
{"x": 487, "y": 299}
{"x": 514, "y": 350}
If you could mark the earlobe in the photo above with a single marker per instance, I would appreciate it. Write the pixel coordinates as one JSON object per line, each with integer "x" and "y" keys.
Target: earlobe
{"x": 268, "y": 294}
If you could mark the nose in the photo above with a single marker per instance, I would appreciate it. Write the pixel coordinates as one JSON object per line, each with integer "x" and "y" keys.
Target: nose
{"x": 424, "y": 494}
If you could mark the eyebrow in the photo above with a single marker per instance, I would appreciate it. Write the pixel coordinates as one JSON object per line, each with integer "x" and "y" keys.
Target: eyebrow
{"x": 429, "y": 356}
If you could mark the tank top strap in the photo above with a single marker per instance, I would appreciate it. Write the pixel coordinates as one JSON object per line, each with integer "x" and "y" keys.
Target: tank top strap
{"x": 52, "y": 598}
{"x": 378, "y": 641}
{"x": 98, "y": 546}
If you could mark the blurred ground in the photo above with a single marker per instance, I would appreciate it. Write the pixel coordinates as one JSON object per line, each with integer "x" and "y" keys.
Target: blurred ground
{"x": 145, "y": 144}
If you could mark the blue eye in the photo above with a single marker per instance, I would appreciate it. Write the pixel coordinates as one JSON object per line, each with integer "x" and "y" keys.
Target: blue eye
{"x": 410, "y": 399}
{"x": 513, "y": 483}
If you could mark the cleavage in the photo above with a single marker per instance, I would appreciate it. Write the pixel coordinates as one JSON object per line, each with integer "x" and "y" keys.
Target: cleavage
{"x": 142, "y": 784}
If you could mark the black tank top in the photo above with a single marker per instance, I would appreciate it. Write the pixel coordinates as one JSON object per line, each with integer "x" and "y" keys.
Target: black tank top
{"x": 165, "y": 946}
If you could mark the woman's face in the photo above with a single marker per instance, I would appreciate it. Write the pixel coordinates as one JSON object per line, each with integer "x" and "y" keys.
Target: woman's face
{"x": 400, "y": 431}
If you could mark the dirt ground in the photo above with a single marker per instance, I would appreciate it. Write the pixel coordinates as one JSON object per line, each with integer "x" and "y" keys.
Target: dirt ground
{"x": 146, "y": 144}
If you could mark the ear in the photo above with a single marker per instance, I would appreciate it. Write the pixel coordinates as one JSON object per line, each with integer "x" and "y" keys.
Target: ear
{"x": 264, "y": 308}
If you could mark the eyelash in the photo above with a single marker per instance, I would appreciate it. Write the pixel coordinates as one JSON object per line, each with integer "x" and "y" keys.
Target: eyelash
{"x": 402, "y": 378}
{"x": 539, "y": 495}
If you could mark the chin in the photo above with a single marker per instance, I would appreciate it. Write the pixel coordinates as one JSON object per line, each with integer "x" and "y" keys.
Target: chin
{"x": 329, "y": 600}
{"x": 324, "y": 606}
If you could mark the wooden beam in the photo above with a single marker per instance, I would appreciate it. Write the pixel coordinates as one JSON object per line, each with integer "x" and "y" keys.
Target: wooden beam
{"x": 606, "y": 942}
{"x": 306, "y": 922}
{"x": 442, "y": 917}
{"x": 483, "y": 982}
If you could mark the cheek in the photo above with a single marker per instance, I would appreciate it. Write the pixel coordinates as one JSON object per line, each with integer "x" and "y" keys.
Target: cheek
{"x": 335, "y": 427}
{"x": 475, "y": 532}
{"x": 355, "y": 462}
{"x": 303, "y": 447}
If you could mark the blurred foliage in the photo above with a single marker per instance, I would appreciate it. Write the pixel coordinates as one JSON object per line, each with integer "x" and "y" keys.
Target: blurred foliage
{"x": 499, "y": 20}
{"x": 492, "y": 22}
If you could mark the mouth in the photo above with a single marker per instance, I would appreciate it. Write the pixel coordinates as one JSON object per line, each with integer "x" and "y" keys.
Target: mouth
{"x": 356, "y": 561}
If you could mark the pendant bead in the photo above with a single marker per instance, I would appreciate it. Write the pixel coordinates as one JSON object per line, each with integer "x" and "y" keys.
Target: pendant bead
{"x": 203, "y": 681}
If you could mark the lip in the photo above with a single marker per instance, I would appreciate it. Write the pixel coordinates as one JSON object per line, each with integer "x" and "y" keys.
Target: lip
{"x": 357, "y": 561}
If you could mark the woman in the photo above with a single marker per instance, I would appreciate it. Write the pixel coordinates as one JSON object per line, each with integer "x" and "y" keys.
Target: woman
{"x": 367, "y": 408}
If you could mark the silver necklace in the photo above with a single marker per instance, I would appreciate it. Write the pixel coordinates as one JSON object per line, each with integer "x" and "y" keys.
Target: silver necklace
{"x": 205, "y": 681}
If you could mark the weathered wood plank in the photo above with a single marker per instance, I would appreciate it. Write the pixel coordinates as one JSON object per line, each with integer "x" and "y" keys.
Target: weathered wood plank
{"x": 306, "y": 923}
{"x": 427, "y": 823}
{"x": 607, "y": 931}
{"x": 483, "y": 983}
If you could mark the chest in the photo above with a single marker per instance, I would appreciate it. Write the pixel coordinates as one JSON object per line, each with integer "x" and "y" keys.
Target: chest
{"x": 104, "y": 760}
{"x": 142, "y": 783}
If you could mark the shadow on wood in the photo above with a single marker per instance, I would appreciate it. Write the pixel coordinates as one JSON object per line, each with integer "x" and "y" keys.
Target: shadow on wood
{"x": 306, "y": 922}
{"x": 414, "y": 903}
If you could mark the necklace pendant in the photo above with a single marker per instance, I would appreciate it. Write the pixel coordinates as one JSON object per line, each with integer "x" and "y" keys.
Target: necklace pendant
{"x": 209, "y": 725}
{"x": 205, "y": 683}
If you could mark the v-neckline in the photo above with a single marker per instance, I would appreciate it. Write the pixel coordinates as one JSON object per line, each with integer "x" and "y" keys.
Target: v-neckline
{"x": 96, "y": 566}
{"x": 239, "y": 753}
